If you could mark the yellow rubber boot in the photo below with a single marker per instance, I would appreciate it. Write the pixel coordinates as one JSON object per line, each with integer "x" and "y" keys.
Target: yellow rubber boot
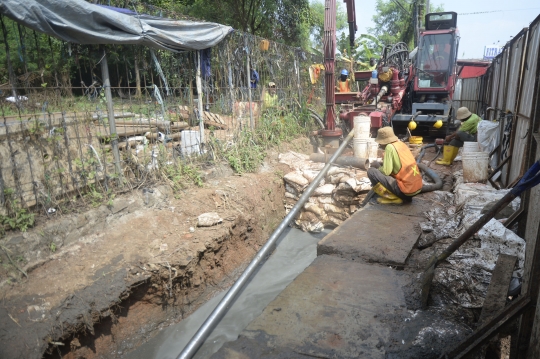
{"x": 455, "y": 151}
{"x": 397, "y": 200}
{"x": 385, "y": 196}
{"x": 448, "y": 155}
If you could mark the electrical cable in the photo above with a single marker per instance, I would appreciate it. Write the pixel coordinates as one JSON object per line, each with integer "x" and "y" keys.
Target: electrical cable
{"x": 487, "y": 12}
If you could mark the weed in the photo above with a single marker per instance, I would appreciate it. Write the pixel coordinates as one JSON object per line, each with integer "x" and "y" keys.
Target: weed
{"x": 52, "y": 247}
{"x": 180, "y": 175}
{"x": 16, "y": 217}
{"x": 95, "y": 197}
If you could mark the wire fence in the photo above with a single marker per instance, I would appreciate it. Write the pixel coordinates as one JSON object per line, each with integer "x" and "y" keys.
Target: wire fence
{"x": 64, "y": 140}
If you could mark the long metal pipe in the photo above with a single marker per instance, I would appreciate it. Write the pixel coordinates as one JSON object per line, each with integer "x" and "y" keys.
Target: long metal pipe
{"x": 209, "y": 324}
{"x": 352, "y": 161}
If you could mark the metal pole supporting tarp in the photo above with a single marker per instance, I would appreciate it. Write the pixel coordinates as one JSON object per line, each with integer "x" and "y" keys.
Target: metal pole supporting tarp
{"x": 110, "y": 112}
{"x": 227, "y": 301}
{"x": 248, "y": 78}
{"x": 199, "y": 99}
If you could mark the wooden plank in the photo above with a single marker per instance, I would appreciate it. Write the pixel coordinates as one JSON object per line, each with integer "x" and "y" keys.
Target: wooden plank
{"x": 498, "y": 287}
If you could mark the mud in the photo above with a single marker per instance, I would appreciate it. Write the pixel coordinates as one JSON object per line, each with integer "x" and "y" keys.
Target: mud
{"x": 119, "y": 274}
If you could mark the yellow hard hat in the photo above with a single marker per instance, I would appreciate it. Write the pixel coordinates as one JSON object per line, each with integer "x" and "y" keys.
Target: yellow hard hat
{"x": 438, "y": 124}
{"x": 412, "y": 125}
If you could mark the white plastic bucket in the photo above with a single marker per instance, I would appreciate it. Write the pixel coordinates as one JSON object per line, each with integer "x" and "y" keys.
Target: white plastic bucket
{"x": 475, "y": 166}
{"x": 373, "y": 148}
{"x": 360, "y": 147}
{"x": 471, "y": 147}
{"x": 362, "y": 126}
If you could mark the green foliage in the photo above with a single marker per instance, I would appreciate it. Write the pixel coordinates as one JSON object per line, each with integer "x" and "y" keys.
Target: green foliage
{"x": 394, "y": 23}
{"x": 247, "y": 155}
{"x": 52, "y": 247}
{"x": 286, "y": 21}
{"x": 273, "y": 128}
{"x": 180, "y": 175}
{"x": 95, "y": 196}
{"x": 316, "y": 9}
{"x": 17, "y": 218}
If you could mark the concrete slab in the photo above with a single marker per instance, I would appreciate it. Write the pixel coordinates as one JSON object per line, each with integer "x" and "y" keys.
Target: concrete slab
{"x": 376, "y": 233}
{"x": 417, "y": 208}
{"x": 334, "y": 309}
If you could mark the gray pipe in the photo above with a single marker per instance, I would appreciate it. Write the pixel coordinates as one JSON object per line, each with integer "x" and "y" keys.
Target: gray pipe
{"x": 431, "y": 174}
{"x": 423, "y": 150}
{"x": 362, "y": 163}
{"x": 216, "y": 315}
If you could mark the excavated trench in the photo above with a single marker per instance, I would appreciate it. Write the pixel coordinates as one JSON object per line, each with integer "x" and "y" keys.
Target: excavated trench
{"x": 124, "y": 273}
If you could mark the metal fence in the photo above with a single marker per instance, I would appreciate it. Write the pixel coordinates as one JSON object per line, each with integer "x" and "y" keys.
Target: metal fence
{"x": 511, "y": 87}
{"x": 62, "y": 136}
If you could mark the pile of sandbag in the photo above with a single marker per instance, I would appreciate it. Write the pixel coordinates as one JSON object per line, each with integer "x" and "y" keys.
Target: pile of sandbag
{"x": 332, "y": 202}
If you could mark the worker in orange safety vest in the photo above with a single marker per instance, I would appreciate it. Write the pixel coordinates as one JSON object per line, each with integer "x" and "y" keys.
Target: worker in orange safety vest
{"x": 344, "y": 82}
{"x": 399, "y": 179}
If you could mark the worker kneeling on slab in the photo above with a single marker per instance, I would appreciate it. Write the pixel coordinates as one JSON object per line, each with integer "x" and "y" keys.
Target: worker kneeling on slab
{"x": 465, "y": 133}
{"x": 399, "y": 178}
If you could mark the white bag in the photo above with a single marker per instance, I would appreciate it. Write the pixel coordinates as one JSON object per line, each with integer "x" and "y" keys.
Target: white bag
{"x": 488, "y": 138}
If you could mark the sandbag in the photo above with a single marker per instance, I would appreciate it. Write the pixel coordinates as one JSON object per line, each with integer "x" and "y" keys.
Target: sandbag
{"x": 345, "y": 199}
{"x": 325, "y": 190}
{"x": 335, "y": 178}
{"x": 318, "y": 211}
{"x": 296, "y": 180}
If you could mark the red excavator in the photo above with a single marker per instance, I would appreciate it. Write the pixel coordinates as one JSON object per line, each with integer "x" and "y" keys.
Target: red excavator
{"x": 405, "y": 86}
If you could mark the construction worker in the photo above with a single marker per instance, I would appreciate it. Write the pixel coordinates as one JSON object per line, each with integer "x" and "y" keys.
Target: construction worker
{"x": 465, "y": 133}
{"x": 344, "y": 82}
{"x": 399, "y": 178}
{"x": 270, "y": 98}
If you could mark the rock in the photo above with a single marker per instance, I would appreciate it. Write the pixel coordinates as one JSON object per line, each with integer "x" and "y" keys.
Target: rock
{"x": 426, "y": 240}
{"x": 209, "y": 219}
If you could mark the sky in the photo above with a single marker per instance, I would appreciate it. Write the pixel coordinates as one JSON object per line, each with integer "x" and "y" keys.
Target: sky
{"x": 476, "y": 30}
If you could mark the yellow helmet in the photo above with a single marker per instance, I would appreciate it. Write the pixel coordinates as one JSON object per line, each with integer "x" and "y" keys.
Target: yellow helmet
{"x": 412, "y": 125}
{"x": 438, "y": 124}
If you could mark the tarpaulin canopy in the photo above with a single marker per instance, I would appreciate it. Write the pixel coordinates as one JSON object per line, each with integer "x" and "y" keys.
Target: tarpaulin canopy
{"x": 80, "y": 22}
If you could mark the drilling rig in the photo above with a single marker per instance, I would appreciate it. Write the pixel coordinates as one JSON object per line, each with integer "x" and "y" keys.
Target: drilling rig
{"x": 405, "y": 86}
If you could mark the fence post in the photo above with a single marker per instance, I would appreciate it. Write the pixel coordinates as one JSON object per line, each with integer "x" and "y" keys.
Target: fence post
{"x": 110, "y": 112}
{"x": 248, "y": 79}
{"x": 199, "y": 99}
{"x": 297, "y": 68}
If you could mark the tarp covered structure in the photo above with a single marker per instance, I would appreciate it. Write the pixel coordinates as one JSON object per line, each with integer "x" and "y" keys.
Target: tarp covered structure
{"x": 80, "y": 22}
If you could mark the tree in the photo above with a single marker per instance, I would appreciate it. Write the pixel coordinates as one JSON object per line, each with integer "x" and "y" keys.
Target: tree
{"x": 285, "y": 21}
{"x": 395, "y": 21}
{"x": 317, "y": 23}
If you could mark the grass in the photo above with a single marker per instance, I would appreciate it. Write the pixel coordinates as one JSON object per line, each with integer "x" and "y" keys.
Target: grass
{"x": 273, "y": 128}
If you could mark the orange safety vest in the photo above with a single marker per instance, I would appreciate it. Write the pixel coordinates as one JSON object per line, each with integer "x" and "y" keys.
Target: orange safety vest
{"x": 344, "y": 86}
{"x": 409, "y": 178}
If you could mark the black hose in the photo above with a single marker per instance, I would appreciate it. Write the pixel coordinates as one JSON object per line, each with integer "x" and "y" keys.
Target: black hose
{"x": 431, "y": 174}
{"x": 423, "y": 150}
